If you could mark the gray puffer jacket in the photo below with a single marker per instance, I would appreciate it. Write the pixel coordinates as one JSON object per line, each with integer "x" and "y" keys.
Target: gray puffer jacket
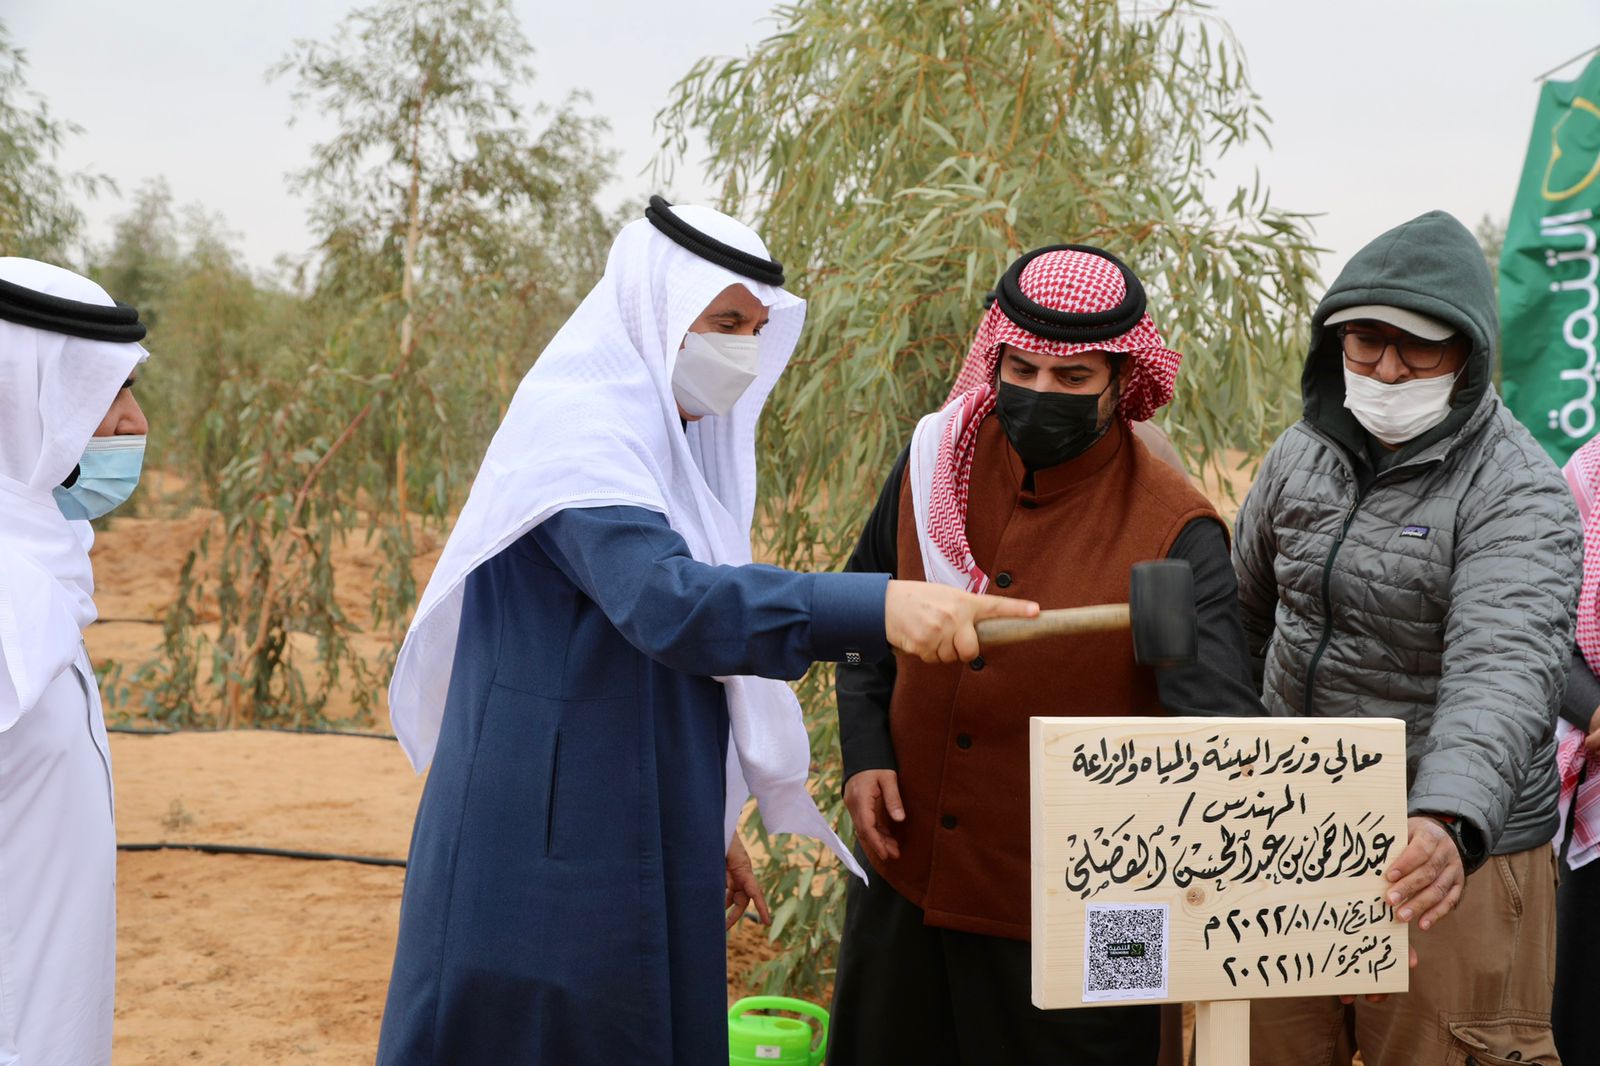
{"x": 1435, "y": 584}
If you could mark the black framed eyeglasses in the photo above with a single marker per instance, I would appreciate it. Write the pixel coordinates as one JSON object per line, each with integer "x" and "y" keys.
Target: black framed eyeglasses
{"x": 1365, "y": 347}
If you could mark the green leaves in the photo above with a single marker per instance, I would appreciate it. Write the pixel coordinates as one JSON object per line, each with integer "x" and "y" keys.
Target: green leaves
{"x": 897, "y": 157}
{"x": 456, "y": 236}
{"x": 39, "y": 215}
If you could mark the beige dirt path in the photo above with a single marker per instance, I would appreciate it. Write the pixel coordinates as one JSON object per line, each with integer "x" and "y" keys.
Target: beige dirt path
{"x": 235, "y": 960}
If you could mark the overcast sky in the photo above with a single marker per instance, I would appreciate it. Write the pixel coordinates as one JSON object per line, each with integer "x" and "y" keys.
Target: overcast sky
{"x": 1381, "y": 109}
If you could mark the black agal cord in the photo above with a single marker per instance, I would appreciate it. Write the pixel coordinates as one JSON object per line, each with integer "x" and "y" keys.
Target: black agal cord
{"x": 1072, "y": 326}
{"x": 767, "y": 271}
{"x": 57, "y": 314}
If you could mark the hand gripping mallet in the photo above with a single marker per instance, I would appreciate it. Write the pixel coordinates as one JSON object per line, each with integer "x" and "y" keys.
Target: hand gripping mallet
{"x": 1159, "y": 611}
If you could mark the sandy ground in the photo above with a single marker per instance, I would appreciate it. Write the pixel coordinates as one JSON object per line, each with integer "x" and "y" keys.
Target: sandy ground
{"x": 240, "y": 959}
{"x": 234, "y": 960}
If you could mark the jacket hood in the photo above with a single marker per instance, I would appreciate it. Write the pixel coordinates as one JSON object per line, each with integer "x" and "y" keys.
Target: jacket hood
{"x": 1434, "y": 266}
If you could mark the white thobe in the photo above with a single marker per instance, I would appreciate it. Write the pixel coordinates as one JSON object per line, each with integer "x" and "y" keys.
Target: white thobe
{"x": 58, "y": 859}
{"x": 57, "y": 879}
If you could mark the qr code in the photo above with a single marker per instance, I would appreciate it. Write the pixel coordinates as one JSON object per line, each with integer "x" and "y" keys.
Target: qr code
{"x": 1124, "y": 951}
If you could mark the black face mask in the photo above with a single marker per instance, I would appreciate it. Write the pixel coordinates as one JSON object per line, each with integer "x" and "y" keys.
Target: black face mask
{"x": 1047, "y": 428}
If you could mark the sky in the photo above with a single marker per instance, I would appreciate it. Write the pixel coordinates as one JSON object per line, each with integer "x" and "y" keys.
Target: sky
{"x": 1381, "y": 109}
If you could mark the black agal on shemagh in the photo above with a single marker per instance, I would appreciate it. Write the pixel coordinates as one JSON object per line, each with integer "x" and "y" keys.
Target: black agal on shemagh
{"x": 661, "y": 216}
{"x": 1073, "y": 327}
{"x": 75, "y": 318}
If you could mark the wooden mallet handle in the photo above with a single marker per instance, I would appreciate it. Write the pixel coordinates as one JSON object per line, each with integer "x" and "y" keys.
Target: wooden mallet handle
{"x": 1160, "y": 613}
{"x": 1063, "y": 622}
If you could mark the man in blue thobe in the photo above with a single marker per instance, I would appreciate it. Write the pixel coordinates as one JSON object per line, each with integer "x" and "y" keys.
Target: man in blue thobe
{"x": 592, "y": 674}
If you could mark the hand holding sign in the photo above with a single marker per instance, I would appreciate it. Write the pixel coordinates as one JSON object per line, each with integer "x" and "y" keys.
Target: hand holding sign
{"x": 1428, "y": 875}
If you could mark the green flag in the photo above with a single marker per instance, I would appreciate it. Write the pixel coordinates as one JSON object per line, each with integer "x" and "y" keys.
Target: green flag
{"x": 1548, "y": 284}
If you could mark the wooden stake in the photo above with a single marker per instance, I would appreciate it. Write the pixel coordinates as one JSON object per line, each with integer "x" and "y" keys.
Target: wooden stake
{"x": 1222, "y": 1032}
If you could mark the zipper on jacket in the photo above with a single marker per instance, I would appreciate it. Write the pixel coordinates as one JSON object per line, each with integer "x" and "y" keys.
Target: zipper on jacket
{"x": 1327, "y": 606}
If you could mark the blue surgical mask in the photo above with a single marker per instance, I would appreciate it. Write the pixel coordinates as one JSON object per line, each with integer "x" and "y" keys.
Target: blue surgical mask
{"x": 107, "y": 474}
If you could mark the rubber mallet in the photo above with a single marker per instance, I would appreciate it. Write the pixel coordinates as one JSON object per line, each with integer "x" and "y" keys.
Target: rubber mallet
{"x": 1159, "y": 611}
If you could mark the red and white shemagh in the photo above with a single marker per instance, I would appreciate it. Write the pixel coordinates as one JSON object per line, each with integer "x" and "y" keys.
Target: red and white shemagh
{"x": 1581, "y": 802}
{"x": 942, "y": 446}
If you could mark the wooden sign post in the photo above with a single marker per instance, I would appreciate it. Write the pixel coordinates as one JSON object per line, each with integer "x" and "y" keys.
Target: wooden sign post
{"x": 1215, "y": 861}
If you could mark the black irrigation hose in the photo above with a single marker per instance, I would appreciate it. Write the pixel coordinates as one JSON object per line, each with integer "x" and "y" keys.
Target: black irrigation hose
{"x": 250, "y": 849}
{"x": 162, "y": 731}
{"x": 287, "y": 853}
{"x": 277, "y": 853}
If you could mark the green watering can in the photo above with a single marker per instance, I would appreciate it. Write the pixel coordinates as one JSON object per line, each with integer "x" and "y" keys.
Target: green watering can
{"x": 761, "y": 1039}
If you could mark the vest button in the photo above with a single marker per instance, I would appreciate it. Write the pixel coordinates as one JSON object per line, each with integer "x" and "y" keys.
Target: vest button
{"x": 1003, "y": 579}
{"x": 977, "y": 664}
{"x": 963, "y": 741}
{"x": 948, "y": 821}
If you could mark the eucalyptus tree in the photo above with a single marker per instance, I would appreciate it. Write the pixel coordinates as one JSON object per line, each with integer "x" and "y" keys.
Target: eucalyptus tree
{"x": 898, "y": 157}
{"x": 40, "y": 216}
{"x": 141, "y": 262}
{"x": 448, "y": 231}
{"x": 179, "y": 266}
{"x": 432, "y": 176}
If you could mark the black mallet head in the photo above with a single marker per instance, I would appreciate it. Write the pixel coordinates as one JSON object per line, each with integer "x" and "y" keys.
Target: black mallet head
{"x": 1161, "y": 613}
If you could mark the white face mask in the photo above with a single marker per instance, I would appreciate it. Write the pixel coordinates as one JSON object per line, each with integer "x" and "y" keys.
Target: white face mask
{"x": 1399, "y": 412}
{"x": 713, "y": 371}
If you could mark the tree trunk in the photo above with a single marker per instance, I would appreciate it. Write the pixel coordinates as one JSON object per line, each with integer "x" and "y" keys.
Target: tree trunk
{"x": 408, "y": 288}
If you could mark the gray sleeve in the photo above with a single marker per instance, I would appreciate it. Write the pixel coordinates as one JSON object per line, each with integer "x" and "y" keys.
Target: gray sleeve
{"x": 1255, "y": 555}
{"x": 1583, "y": 692}
{"x": 1507, "y": 642}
